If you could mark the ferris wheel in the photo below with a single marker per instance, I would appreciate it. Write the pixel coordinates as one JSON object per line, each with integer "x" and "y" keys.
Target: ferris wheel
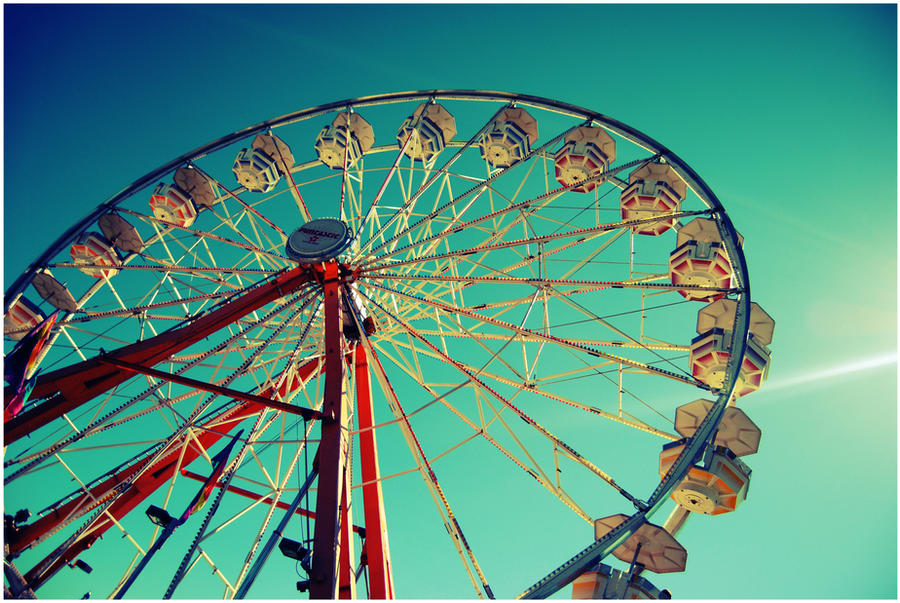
{"x": 476, "y": 315}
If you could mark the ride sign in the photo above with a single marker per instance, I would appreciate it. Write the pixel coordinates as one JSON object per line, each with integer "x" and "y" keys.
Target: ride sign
{"x": 318, "y": 241}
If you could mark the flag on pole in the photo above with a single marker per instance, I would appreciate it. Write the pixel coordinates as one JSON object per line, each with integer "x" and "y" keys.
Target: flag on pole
{"x": 219, "y": 462}
{"x": 20, "y": 365}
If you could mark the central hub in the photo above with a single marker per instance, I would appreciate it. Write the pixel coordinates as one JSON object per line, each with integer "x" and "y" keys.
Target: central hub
{"x": 318, "y": 241}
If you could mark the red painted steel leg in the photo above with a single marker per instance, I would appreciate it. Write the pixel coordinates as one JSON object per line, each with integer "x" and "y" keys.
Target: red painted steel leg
{"x": 347, "y": 579}
{"x": 381, "y": 582}
{"x": 332, "y": 450}
{"x": 82, "y": 382}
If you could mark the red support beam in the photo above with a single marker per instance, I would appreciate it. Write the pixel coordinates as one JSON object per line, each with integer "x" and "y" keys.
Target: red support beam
{"x": 381, "y": 582}
{"x": 74, "y": 385}
{"x": 332, "y": 449}
{"x": 346, "y": 576}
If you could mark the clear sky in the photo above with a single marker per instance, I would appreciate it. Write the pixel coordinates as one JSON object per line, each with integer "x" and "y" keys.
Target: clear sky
{"x": 787, "y": 112}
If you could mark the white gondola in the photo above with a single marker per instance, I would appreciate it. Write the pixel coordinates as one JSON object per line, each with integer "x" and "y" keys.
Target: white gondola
{"x": 345, "y": 140}
{"x": 586, "y": 155}
{"x": 711, "y": 349}
{"x": 653, "y": 190}
{"x": 172, "y": 204}
{"x": 94, "y": 253}
{"x": 700, "y": 259}
{"x": 510, "y": 138}
{"x": 436, "y": 128}
{"x": 23, "y": 315}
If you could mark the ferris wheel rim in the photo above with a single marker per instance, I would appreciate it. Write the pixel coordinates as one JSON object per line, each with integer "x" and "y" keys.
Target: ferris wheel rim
{"x": 742, "y": 291}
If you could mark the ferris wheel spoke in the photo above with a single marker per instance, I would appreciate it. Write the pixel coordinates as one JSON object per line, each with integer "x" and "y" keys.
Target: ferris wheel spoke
{"x": 96, "y": 336}
{"x": 278, "y": 261}
{"x": 497, "y": 220}
{"x": 512, "y": 200}
{"x": 592, "y": 316}
{"x": 581, "y": 233}
{"x": 109, "y": 515}
{"x": 534, "y": 386}
{"x": 405, "y": 193}
{"x": 259, "y": 237}
{"x": 476, "y": 190}
{"x": 591, "y": 285}
{"x": 344, "y": 173}
{"x": 186, "y": 358}
{"x": 355, "y": 196}
{"x": 132, "y": 310}
{"x": 495, "y": 355}
{"x": 586, "y": 261}
{"x": 63, "y": 330}
{"x": 535, "y": 471}
{"x": 391, "y": 172}
{"x": 522, "y": 415}
{"x": 239, "y": 267}
{"x": 465, "y": 334}
{"x": 230, "y": 222}
{"x": 427, "y": 472}
{"x": 542, "y": 478}
{"x": 198, "y": 271}
{"x": 547, "y": 338}
{"x": 190, "y": 254}
{"x": 409, "y": 204}
{"x": 159, "y": 237}
{"x": 201, "y": 554}
{"x": 165, "y": 401}
{"x": 262, "y": 469}
{"x": 247, "y": 207}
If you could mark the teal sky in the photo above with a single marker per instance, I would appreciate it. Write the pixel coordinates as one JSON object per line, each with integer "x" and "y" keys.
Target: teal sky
{"x": 787, "y": 112}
